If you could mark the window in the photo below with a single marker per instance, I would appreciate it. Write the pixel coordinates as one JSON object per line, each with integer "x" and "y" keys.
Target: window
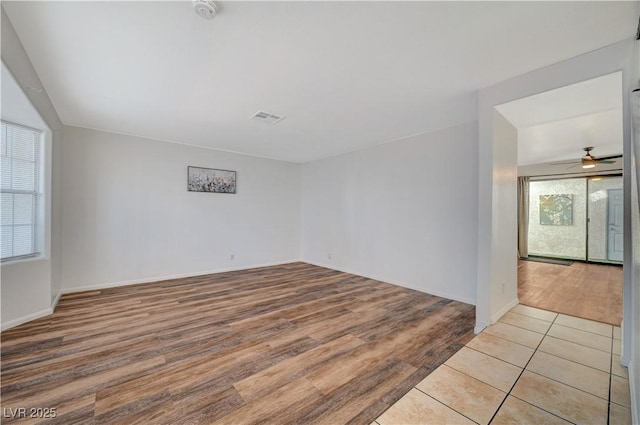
{"x": 19, "y": 181}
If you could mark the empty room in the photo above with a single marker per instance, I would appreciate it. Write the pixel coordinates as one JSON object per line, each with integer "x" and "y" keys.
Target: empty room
{"x": 230, "y": 212}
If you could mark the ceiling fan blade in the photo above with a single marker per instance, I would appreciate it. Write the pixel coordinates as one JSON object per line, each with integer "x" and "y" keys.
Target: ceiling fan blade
{"x": 602, "y": 158}
{"x": 565, "y": 162}
{"x": 605, "y": 162}
{"x": 573, "y": 166}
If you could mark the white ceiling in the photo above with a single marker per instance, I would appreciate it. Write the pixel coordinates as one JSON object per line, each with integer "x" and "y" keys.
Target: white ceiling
{"x": 347, "y": 75}
{"x": 556, "y": 125}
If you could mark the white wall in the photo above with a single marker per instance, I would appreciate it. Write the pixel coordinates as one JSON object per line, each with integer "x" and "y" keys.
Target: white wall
{"x": 504, "y": 228}
{"x": 26, "y": 284}
{"x": 56, "y": 215}
{"x": 26, "y": 291}
{"x": 402, "y": 212}
{"x": 631, "y": 321}
{"x": 128, "y": 217}
{"x": 590, "y": 65}
{"x": 30, "y": 288}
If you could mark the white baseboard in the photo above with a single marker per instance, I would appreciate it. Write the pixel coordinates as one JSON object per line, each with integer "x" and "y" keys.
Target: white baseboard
{"x": 33, "y": 316}
{"x": 54, "y": 304}
{"x": 624, "y": 360}
{"x": 514, "y": 302}
{"x": 50, "y": 310}
{"x": 480, "y": 327}
{"x": 393, "y": 282}
{"x": 635, "y": 413}
{"x": 169, "y": 277}
{"x": 24, "y": 319}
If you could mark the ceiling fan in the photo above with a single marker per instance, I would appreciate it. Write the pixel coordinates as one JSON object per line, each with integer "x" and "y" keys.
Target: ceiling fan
{"x": 590, "y": 161}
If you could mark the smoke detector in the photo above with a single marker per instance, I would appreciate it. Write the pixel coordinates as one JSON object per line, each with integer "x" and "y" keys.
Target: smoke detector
{"x": 205, "y": 8}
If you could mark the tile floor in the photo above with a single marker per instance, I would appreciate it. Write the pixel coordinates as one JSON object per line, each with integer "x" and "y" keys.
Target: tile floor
{"x": 532, "y": 367}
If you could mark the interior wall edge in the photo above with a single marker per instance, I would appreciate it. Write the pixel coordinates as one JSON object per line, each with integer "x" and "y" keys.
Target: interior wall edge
{"x": 606, "y": 60}
{"x": 480, "y": 327}
{"x": 55, "y": 301}
{"x": 504, "y": 310}
{"x": 377, "y": 213}
{"x": 42, "y": 287}
{"x": 635, "y": 416}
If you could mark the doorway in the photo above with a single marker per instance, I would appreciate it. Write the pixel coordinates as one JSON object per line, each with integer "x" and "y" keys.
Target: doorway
{"x": 497, "y": 291}
{"x": 569, "y": 149}
{"x": 576, "y": 219}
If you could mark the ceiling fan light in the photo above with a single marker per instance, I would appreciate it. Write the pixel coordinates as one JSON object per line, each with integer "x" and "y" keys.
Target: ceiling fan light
{"x": 588, "y": 161}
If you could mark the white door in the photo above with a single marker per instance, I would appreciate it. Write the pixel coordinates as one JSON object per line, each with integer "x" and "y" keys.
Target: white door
{"x": 614, "y": 228}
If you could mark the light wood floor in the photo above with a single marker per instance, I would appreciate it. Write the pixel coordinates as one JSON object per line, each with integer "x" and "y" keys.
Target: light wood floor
{"x": 286, "y": 344}
{"x": 590, "y": 291}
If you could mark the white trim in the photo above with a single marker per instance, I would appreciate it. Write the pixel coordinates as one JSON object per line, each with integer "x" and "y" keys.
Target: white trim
{"x": 54, "y": 304}
{"x": 37, "y": 226}
{"x": 480, "y": 327}
{"x": 175, "y": 142}
{"x": 50, "y": 310}
{"x": 393, "y": 282}
{"x": 29, "y": 317}
{"x": 24, "y": 319}
{"x": 624, "y": 361}
{"x": 635, "y": 414}
{"x": 514, "y": 302}
{"x": 168, "y": 277}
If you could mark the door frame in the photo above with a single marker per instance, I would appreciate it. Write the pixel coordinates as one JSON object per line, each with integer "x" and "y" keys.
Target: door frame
{"x": 609, "y": 223}
{"x": 614, "y": 58}
{"x": 588, "y": 180}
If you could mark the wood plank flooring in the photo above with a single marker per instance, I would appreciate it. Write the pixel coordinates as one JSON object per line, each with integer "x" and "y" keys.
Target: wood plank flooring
{"x": 590, "y": 291}
{"x": 286, "y": 344}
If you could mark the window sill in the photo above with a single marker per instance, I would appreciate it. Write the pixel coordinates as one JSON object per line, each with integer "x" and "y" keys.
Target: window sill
{"x": 22, "y": 258}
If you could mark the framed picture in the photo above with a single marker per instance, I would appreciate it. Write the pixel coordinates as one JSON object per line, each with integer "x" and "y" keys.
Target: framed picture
{"x": 210, "y": 180}
{"x": 556, "y": 210}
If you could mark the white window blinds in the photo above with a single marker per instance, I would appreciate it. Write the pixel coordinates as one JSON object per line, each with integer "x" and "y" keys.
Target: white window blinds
{"x": 19, "y": 153}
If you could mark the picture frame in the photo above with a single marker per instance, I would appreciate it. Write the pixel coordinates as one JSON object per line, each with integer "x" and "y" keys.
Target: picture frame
{"x": 556, "y": 210}
{"x": 210, "y": 180}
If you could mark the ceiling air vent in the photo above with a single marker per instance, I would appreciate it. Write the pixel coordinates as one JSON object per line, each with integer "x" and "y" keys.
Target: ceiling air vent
{"x": 267, "y": 117}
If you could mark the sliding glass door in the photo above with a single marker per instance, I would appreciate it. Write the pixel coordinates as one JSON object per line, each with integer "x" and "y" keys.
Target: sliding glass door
{"x": 577, "y": 218}
{"x": 558, "y": 218}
